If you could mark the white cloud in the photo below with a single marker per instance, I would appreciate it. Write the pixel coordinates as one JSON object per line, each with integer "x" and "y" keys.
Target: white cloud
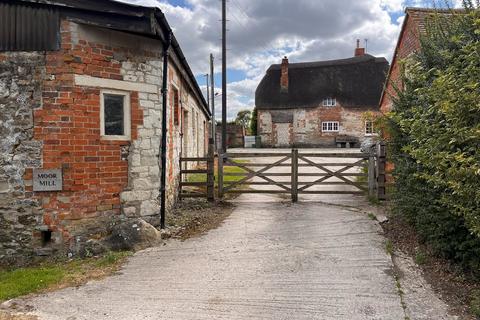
{"x": 262, "y": 32}
{"x": 393, "y": 5}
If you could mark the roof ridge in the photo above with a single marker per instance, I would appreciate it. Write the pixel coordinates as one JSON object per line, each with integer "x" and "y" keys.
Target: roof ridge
{"x": 327, "y": 63}
{"x": 433, "y": 10}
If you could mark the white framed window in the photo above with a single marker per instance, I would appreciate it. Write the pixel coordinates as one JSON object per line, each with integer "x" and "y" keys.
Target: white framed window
{"x": 329, "y": 102}
{"x": 115, "y": 116}
{"x": 369, "y": 130}
{"x": 330, "y": 126}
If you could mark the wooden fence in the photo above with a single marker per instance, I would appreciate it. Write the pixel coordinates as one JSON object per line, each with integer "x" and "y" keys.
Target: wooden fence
{"x": 347, "y": 173}
{"x": 203, "y": 167}
{"x": 364, "y": 173}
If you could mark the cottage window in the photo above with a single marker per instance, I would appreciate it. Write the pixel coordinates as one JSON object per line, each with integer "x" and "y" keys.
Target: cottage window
{"x": 115, "y": 115}
{"x": 329, "y": 102}
{"x": 369, "y": 130}
{"x": 330, "y": 126}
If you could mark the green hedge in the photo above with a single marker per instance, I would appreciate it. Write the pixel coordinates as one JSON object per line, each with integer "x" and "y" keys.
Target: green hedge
{"x": 434, "y": 133}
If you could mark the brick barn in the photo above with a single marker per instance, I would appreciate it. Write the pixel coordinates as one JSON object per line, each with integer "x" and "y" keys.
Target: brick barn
{"x": 81, "y": 120}
{"x": 320, "y": 104}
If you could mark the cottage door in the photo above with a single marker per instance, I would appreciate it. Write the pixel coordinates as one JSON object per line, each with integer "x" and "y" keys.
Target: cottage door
{"x": 283, "y": 134}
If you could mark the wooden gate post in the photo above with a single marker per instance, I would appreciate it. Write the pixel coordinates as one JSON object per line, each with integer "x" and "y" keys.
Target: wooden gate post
{"x": 294, "y": 186}
{"x": 220, "y": 175}
{"x": 211, "y": 173}
{"x": 381, "y": 163}
{"x": 372, "y": 183}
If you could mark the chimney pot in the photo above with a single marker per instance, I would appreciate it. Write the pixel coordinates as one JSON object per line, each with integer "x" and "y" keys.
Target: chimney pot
{"x": 358, "y": 50}
{"x": 284, "y": 76}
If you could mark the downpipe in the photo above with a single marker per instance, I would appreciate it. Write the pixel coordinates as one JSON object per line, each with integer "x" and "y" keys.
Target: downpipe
{"x": 163, "y": 146}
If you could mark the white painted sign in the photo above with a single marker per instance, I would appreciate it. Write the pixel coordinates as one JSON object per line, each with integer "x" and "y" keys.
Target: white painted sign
{"x": 47, "y": 180}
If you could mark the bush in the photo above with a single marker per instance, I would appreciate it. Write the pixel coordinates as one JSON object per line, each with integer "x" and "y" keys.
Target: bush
{"x": 475, "y": 304}
{"x": 434, "y": 132}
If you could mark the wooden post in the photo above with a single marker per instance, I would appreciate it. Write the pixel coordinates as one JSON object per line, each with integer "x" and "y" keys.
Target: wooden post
{"x": 220, "y": 175}
{"x": 381, "y": 163}
{"x": 372, "y": 184}
{"x": 181, "y": 179}
{"x": 294, "y": 186}
{"x": 211, "y": 173}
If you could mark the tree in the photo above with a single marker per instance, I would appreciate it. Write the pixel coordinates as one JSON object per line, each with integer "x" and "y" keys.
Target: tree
{"x": 434, "y": 131}
{"x": 243, "y": 118}
{"x": 253, "y": 122}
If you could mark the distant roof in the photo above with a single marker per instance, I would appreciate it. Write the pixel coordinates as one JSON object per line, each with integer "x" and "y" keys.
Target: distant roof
{"x": 141, "y": 20}
{"x": 355, "y": 82}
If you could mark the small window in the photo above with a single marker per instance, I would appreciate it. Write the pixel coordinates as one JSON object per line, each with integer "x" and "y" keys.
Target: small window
{"x": 115, "y": 115}
{"x": 329, "y": 102}
{"x": 369, "y": 130}
{"x": 330, "y": 126}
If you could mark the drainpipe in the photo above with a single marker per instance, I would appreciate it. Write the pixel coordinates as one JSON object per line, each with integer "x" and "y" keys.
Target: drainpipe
{"x": 163, "y": 178}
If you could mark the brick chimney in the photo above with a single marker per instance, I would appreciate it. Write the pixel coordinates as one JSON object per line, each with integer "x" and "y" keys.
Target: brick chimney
{"x": 284, "y": 76}
{"x": 359, "y": 51}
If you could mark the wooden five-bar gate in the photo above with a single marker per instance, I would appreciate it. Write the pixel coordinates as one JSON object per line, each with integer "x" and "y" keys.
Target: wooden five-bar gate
{"x": 298, "y": 173}
{"x": 294, "y": 173}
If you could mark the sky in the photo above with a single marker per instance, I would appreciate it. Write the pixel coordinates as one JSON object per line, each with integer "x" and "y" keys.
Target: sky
{"x": 261, "y": 32}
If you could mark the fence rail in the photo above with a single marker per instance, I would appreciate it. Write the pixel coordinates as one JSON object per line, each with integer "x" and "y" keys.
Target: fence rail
{"x": 365, "y": 173}
{"x": 208, "y": 185}
{"x": 362, "y": 173}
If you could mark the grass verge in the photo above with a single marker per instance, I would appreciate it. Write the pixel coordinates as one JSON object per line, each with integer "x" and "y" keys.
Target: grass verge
{"x": 55, "y": 275}
{"x": 201, "y": 177}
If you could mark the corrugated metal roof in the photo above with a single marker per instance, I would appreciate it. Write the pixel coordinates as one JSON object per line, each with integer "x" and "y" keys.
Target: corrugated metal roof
{"x": 28, "y": 28}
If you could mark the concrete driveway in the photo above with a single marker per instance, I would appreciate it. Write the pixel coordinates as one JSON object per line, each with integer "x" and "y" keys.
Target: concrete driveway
{"x": 317, "y": 259}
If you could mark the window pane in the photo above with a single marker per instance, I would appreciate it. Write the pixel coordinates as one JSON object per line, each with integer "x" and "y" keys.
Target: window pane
{"x": 114, "y": 113}
{"x": 369, "y": 127}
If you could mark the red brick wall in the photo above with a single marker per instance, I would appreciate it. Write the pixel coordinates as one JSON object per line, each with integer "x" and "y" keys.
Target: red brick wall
{"x": 94, "y": 171}
{"x": 408, "y": 43}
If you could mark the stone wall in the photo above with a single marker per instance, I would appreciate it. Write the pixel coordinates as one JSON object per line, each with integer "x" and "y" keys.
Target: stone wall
{"x": 52, "y": 105}
{"x": 303, "y": 127}
{"x": 21, "y": 76}
{"x": 186, "y": 137}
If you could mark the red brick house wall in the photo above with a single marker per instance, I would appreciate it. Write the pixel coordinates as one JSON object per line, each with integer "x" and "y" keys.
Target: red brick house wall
{"x": 408, "y": 43}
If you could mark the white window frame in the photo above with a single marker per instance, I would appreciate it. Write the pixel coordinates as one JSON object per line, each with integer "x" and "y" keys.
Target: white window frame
{"x": 369, "y": 134}
{"x": 330, "y": 102}
{"x": 333, "y": 125}
{"x": 127, "y": 123}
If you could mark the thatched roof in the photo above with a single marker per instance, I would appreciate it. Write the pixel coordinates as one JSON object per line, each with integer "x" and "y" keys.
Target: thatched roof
{"x": 355, "y": 82}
